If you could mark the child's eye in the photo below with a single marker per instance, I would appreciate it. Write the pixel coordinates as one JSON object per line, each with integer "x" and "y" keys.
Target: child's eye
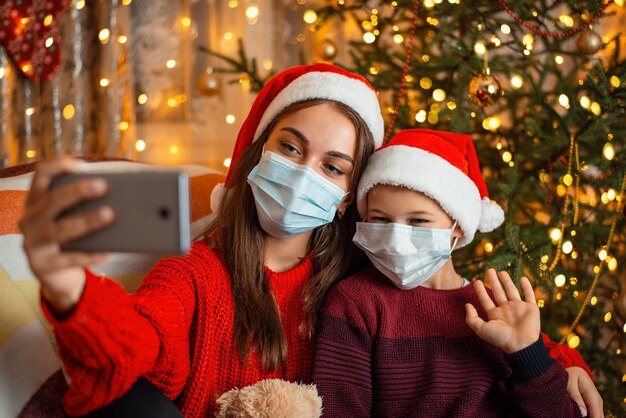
{"x": 334, "y": 170}
{"x": 417, "y": 221}
{"x": 378, "y": 219}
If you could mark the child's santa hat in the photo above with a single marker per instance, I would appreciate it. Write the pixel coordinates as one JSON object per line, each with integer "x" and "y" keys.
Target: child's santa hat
{"x": 443, "y": 166}
{"x": 298, "y": 84}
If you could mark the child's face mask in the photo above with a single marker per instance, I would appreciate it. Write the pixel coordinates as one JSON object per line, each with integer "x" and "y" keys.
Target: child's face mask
{"x": 290, "y": 198}
{"x": 407, "y": 255}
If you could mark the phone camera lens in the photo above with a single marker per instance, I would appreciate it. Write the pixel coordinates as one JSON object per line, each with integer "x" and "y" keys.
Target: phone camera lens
{"x": 164, "y": 213}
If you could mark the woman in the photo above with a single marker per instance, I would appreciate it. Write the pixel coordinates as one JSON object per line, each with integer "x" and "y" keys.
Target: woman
{"x": 242, "y": 305}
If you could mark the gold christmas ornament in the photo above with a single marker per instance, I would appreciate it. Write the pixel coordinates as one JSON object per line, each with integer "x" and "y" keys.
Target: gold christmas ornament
{"x": 589, "y": 42}
{"x": 484, "y": 89}
{"x": 327, "y": 50}
{"x": 208, "y": 84}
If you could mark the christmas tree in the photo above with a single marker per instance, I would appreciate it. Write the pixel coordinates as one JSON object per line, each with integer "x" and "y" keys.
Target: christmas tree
{"x": 542, "y": 90}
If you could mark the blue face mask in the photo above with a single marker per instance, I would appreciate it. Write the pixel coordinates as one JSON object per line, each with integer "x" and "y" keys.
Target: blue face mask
{"x": 291, "y": 198}
{"x": 407, "y": 255}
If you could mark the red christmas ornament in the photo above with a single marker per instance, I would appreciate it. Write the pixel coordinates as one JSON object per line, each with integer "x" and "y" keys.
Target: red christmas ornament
{"x": 29, "y": 33}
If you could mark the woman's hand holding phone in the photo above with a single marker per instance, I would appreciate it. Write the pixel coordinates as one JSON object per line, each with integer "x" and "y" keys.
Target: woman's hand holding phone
{"x": 45, "y": 230}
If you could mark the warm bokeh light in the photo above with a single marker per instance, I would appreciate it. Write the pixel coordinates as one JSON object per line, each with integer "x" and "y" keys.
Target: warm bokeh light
{"x": 555, "y": 235}
{"x": 369, "y": 37}
{"x": 185, "y": 21}
{"x": 568, "y": 180}
{"x": 252, "y": 12}
{"x": 68, "y": 111}
{"x": 140, "y": 145}
{"x": 615, "y": 81}
{"x": 439, "y": 95}
{"x": 567, "y": 20}
{"x": 585, "y": 102}
{"x": 573, "y": 340}
{"x": 567, "y": 247}
{"x": 309, "y": 16}
{"x": 559, "y": 280}
{"x": 104, "y": 35}
{"x": 608, "y": 151}
{"x": 480, "y": 48}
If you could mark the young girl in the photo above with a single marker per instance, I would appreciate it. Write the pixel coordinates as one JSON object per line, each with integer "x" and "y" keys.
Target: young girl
{"x": 412, "y": 337}
{"x": 243, "y": 304}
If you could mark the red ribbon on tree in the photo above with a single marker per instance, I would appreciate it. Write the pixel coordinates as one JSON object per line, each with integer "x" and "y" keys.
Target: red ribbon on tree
{"x": 30, "y": 34}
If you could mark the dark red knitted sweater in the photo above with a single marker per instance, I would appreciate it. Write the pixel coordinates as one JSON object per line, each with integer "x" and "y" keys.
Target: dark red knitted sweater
{"x": 386, "y": 352}
{"x": 177, "y": 330}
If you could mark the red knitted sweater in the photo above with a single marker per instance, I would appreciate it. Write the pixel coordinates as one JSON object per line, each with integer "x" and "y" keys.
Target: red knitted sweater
{"x": 177, "y": 330}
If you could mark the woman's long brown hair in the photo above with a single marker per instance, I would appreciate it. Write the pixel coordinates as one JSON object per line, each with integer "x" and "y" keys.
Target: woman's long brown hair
{"x": 240, "y": 240}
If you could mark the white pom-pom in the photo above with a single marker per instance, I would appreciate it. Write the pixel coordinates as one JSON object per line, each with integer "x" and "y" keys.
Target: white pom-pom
{"x": 491, "y": 215}
{"x": 216, "y": 197}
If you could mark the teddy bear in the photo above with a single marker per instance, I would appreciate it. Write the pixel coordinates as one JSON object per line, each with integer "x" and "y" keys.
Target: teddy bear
{"x": 271, "y": 398}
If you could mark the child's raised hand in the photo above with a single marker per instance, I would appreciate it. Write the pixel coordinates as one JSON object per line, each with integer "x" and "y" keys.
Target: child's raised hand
{"x": 513, "y": 324}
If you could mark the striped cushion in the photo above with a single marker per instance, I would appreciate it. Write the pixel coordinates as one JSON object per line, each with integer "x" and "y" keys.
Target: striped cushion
{"x": 28, "y": 364}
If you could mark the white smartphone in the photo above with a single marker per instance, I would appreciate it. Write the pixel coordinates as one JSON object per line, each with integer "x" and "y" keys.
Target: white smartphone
{"x": 151, "y": 212}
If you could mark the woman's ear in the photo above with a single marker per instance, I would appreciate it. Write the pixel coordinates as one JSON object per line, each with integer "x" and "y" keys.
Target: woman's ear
{"x": 345, "y": 202}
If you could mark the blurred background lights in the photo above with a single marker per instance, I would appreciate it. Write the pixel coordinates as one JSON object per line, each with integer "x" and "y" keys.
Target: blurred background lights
{"x": 309, "y": 16}
{"x": 517, "y": 81}
{"x": 140, "y": 145}
{"x": 559, "y": 280}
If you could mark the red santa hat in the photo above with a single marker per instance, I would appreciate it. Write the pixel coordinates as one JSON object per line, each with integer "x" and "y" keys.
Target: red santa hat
{"x": 298, "y": 84}
{"x": 443, "y": 166}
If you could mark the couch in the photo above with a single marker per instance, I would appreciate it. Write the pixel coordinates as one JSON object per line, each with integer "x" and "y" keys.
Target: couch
{"x": 31, "y": 378}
